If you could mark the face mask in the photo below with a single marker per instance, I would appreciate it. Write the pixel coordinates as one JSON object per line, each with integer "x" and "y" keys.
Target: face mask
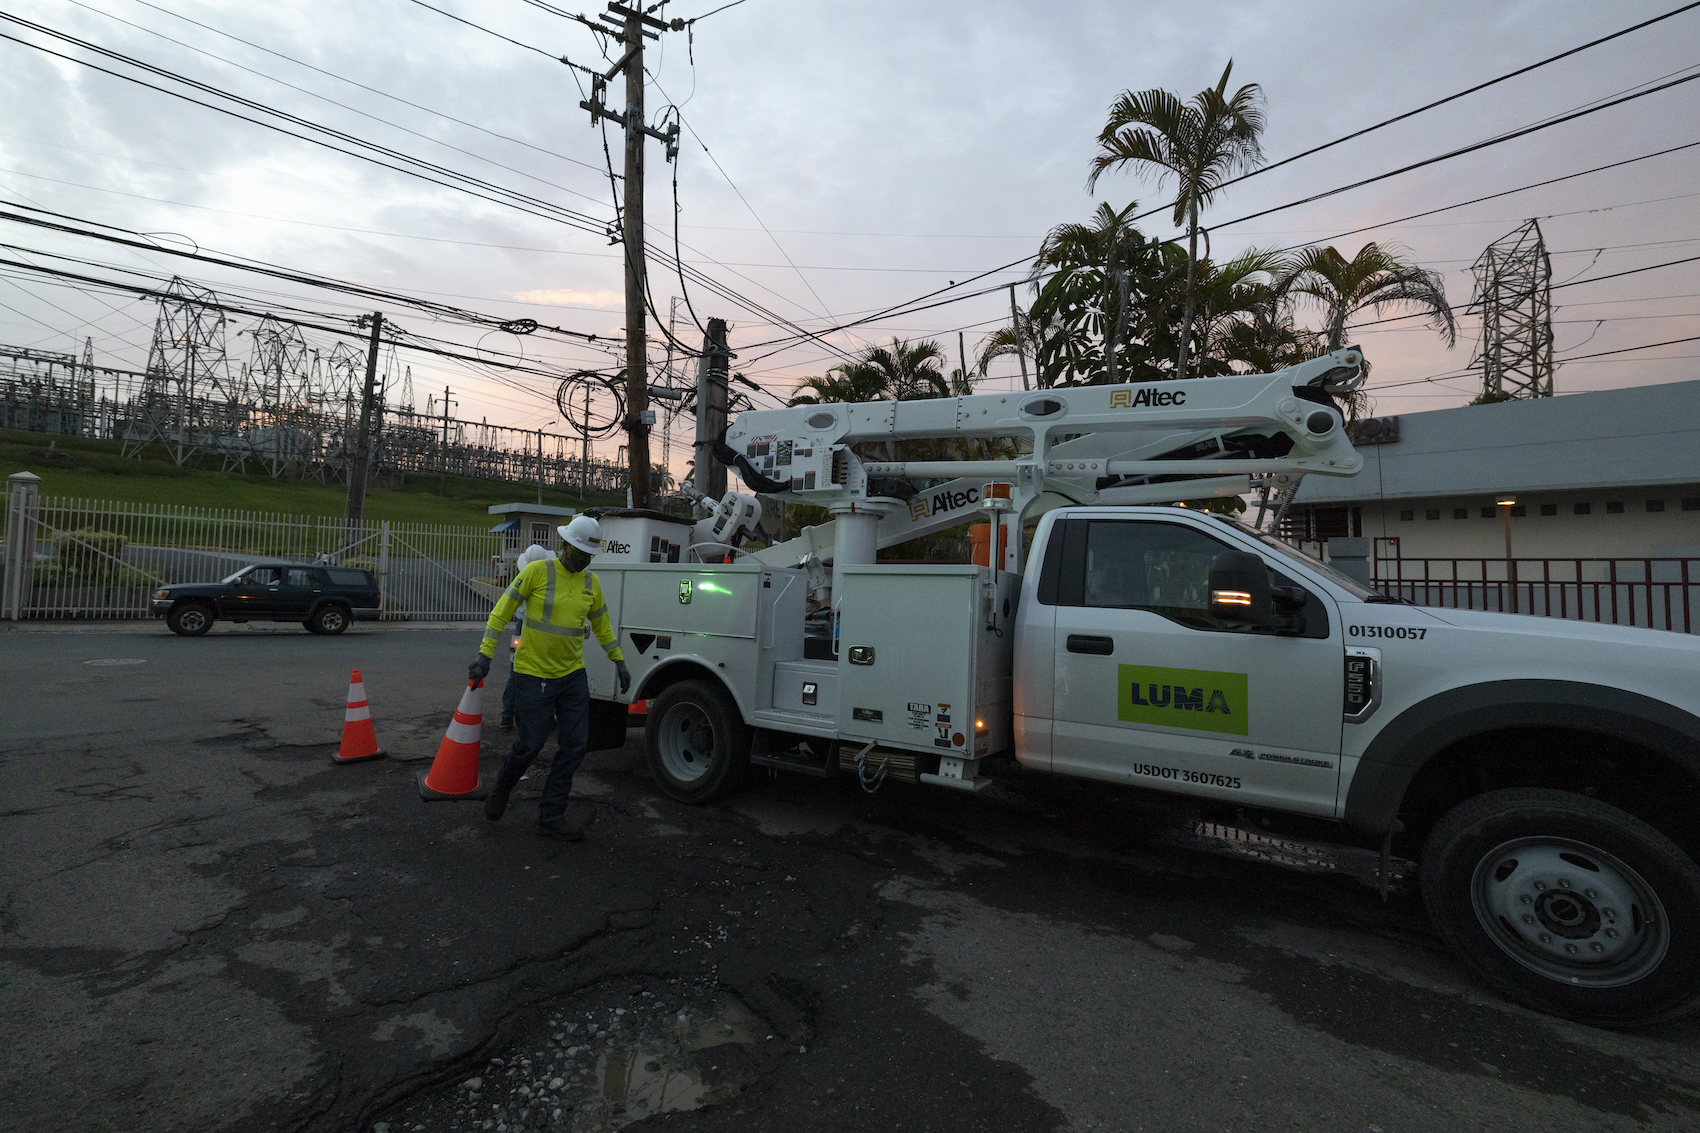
{"x": 574, "y": 559}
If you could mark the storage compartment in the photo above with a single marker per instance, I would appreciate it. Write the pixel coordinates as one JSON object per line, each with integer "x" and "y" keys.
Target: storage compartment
{"x": 924, "y": 655}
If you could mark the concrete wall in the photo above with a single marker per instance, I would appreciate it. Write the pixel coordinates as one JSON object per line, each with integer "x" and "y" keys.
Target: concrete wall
{"x": 1633, "y": 533}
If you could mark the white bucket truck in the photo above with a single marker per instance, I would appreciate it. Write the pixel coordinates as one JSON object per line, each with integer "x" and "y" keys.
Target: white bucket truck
{"x": 1545, "y": 772}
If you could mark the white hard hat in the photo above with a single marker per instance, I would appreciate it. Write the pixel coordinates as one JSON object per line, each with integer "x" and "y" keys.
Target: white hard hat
{"x": 584, "y": 533}
{"x": 535, "y": 553}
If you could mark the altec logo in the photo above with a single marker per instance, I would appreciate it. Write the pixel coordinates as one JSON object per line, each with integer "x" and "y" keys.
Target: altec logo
{"x": 924, "y": 507}
{"x": 1134, "y": 398}
{"x": 1200, "y": 699}
{"x": 613, "y": 548}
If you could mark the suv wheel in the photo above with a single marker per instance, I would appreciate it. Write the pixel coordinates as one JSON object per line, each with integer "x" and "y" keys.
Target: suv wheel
{"x": 1568, "y": 905}
{"x": 696, "y": 743}
{"x": 190, "y": 619}
{"x": 328, "y": 619}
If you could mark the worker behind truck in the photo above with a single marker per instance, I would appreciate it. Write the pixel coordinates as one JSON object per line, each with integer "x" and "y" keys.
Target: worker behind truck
{"x": 559, "y": 597}
{"x": 532, "y": 554}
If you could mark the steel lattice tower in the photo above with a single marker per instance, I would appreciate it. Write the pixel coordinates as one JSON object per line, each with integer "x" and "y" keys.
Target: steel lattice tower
{"x": 1514, "y": 294}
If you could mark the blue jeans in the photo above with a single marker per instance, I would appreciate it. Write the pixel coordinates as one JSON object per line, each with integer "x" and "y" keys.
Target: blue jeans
{"x": 540, "y": 706}
{"x": 508, "y": 693}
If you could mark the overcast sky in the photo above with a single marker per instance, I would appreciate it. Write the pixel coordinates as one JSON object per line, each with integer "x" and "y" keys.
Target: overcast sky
{"x": 868, "y": 153}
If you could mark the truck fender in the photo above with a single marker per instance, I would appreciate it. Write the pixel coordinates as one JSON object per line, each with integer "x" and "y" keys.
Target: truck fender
{"x": 1408, "y": 741}
{"x": 669, "y": 672}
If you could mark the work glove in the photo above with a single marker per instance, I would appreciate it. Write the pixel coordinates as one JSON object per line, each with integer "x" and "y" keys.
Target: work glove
{"x": 625, "y": 677}
{"x": 479, "y": 669}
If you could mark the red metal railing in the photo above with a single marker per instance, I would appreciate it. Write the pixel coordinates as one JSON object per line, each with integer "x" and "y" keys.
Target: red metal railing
{"x": 1651, "y": 593}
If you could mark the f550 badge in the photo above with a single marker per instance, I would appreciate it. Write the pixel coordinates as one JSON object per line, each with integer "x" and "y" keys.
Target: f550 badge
{"x": 1200, "y": 699}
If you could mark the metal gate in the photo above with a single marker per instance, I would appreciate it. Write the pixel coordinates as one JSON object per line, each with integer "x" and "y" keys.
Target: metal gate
{"x": 73, "y": 558}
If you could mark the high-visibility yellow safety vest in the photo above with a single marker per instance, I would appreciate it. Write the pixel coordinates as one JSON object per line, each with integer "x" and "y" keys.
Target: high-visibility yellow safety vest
{"x": 557, "y": 605}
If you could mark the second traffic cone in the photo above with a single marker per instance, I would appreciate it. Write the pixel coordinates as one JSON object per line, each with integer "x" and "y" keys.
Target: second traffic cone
{"x": 454, "y": 773}
{"x": 359, "y": 741}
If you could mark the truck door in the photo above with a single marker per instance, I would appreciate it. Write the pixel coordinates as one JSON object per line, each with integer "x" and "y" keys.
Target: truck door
{"x": 254, "y": 594}
{"x": 300, "y": 587}
{"x": 1153, "y": 691}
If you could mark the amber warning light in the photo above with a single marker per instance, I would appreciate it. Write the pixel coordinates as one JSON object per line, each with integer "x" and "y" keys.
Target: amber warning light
{"x": 1232, "y": 598}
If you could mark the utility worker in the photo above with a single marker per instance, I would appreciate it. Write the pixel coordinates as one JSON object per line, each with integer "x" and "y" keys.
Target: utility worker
{"x": 559, "y": 597}
{"x": 532, "y": 554}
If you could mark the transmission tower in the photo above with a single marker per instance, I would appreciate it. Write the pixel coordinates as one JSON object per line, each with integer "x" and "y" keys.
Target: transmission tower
{"x": 186, "y": 357}
{"x": 1514, "y": 292}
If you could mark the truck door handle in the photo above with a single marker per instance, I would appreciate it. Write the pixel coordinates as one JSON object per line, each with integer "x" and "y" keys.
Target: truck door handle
{"x": 1085, "y": 643}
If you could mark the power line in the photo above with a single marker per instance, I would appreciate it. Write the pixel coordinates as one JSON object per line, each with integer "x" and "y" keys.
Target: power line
{"x": 1493, "y": 196}
{"x": 1461, "y": 151}
{"x": 1439, "y": 102}
{"x": 371, "y": 90}
{"x": 132, "y": 239}
{"x": 411, "y": 166}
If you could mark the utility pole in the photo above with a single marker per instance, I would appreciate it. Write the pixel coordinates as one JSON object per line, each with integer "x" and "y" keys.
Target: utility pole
{"x": 634, "y": 26}
{"x": 356, "y": 512}
{"x": 711, "y": 409}
{"x": 1015, "y": 325}
{"x": 540, "y": 429}
{"x": 443, "y": 453}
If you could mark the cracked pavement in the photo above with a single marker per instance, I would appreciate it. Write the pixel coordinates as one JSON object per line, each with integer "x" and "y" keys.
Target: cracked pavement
{"x": 205, "y": 925}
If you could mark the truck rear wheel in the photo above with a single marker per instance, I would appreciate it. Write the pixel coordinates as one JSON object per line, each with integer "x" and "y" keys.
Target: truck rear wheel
{"x": 696, "y": 742}
{"x": 1568, "y": 905}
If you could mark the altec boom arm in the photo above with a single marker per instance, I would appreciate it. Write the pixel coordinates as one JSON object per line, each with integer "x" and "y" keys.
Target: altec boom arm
{"x": 1132, "y": 444}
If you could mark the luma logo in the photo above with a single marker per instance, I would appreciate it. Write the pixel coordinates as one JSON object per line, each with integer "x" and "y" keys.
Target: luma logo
{"x": 684, "y": 592}
{"x": 1199, "y": 699}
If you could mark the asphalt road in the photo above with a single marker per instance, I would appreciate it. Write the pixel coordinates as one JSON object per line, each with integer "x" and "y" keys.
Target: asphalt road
{"x": 205, "y": 925}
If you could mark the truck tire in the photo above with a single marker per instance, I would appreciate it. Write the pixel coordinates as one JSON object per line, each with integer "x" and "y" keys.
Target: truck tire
{"x": 696, "y": 742}
{"x": 1568, "y": 905}
{"x": 190, "y": 619}
{"x": 329, "y": 619}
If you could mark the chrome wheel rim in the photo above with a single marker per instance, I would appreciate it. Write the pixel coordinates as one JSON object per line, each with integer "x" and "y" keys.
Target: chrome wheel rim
{"x": 192, "y": 620}
{"x": 331, "y": 621}
{"x": 685, "y": 738}
{"x": 1570, "y": 912}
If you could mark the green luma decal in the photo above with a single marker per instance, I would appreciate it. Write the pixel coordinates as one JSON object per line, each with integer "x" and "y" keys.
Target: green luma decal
{"x": 1199, "y": 699}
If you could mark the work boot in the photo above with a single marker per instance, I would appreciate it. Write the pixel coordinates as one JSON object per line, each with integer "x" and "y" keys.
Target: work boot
{"x": 495, "y": 804}
{"x": 560, "y": 827}
{"x": 507, "y": 723}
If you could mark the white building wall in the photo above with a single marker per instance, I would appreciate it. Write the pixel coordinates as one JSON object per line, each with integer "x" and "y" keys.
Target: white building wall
{"x": 1621, "y": 447}
{"x": 1601, "y": 534}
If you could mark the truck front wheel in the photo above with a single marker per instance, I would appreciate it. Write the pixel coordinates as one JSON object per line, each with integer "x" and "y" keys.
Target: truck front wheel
{"x": 696, "y": 742}
{"x": 1568, "y": 905}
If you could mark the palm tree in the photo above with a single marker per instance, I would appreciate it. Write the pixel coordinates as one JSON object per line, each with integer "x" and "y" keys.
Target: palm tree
{"x": 1377, "y": 278}
{"x": 1092, "y": 320}
{"x": 1201, "y": 143}
{"x": 902, "y": 372}
{"x": 660, "y": 479}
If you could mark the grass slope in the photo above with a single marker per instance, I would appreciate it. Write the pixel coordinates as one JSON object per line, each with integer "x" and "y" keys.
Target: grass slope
{"x": 91, "y": 469}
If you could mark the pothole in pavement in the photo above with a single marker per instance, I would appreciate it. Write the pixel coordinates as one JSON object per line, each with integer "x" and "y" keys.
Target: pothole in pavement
{"x": 603, "y": 1060}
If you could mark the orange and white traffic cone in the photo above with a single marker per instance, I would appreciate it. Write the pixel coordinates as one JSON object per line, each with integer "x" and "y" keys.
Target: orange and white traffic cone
{"x": 454, "y": 773}
{"x": 359, "y": 741}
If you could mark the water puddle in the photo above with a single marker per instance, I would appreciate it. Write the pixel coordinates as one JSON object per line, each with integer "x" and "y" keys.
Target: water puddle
{"x": 660, "y": 1073}
{"x": 613, "y": 1058}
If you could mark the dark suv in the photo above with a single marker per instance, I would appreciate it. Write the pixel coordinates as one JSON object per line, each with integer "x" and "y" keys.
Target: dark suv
{"x": 322, "y": 598}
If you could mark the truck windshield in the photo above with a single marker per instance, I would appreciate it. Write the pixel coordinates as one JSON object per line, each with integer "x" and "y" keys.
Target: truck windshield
{"x": 1350, "y": 585}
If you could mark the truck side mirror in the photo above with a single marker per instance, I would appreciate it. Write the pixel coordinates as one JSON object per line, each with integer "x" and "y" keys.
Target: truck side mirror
{"x": 1239, "y": 590}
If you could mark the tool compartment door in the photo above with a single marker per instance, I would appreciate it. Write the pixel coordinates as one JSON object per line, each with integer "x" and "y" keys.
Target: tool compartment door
{"x": 906, "y": 656}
